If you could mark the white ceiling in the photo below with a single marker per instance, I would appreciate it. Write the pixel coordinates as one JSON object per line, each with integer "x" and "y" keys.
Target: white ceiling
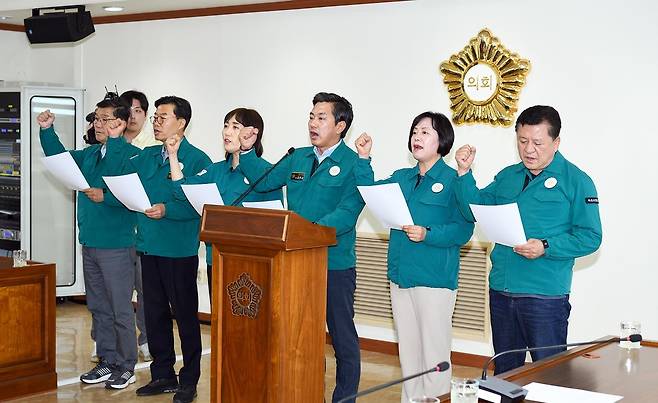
{"x": 17, "y": 10}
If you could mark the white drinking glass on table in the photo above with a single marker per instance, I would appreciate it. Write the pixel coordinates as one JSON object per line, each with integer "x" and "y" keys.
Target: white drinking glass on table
{"x": 626, "y": 329}
{"x": 464, "y": 390}
{"x": 20, "y": 258}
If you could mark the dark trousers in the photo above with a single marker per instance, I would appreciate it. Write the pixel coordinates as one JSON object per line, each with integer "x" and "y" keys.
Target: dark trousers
{"x": 340, "y": 321}
{"x": 172, "y": 282}
{"x": 521, "y": 322}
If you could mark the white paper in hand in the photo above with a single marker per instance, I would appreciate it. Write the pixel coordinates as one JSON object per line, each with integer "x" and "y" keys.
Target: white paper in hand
{"x": 501, "y": 224}
{"x": 128, "y": 189}
{"x": 198, "y": 195}
{"x": 387, "y": 204}
{"x": 270, "y": 204}
{"x": 64, "y": 168}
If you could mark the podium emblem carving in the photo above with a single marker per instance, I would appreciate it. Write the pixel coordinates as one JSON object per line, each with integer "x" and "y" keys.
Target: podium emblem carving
{"x": 245, "y": 296}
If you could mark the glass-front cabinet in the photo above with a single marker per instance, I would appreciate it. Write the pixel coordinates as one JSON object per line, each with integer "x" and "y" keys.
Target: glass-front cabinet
{"x": 37, "y": 213}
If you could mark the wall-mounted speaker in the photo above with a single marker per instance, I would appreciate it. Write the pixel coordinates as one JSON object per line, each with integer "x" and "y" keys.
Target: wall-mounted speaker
{"x": 59, "y": 26}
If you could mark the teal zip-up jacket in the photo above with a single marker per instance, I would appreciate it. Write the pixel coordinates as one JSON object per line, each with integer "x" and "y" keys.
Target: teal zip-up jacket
{"x": 434, "y": 262}
{"x": 230, "y": 182}
{"x": 329, "y": 197}
{"x": 177, "y": 233}
{"x": 560, "y": 205}
{"x": 105, "y": 225}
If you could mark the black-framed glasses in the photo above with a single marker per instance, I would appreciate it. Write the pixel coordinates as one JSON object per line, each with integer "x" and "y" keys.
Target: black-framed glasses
{"x": 160, "y": 119}
{"x": 103, "y": 121}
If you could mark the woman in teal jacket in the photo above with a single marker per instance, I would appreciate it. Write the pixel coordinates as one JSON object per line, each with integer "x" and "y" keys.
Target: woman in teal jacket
{"x": 423, "y": 259}
{"x": 227, "y": 174}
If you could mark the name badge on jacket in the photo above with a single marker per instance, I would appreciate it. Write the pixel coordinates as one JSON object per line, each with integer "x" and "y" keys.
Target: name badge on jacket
{"x": 297, "y": 176}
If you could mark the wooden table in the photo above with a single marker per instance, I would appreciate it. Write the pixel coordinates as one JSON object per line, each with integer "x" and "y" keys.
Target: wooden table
{"x": 27, "y": 329}
{"x": 603, "y": 368}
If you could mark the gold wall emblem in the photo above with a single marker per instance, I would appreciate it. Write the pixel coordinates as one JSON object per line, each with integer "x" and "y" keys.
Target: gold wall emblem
{"x": 484, "y": 81}
{"x": 245, "y": 296}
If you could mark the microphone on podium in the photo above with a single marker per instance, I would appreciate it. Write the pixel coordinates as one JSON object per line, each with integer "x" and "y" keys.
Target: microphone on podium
{"x": 510, "y": 392}
{"x": 253, "y": 185}
{"x": 440, "y": 367}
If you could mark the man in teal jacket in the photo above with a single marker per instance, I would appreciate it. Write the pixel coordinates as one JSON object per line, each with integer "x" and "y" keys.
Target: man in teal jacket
{"x": 321, "y": 187}
{"x": 168, "y": 237}
{"x": 559, "y": 206}
{"x": 107, "y": 235}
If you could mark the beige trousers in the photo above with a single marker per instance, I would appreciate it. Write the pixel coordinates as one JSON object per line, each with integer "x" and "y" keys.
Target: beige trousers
{"x": 423, "y": 320}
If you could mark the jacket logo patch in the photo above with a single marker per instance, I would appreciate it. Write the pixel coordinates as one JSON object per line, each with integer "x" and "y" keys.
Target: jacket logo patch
{"x": 592, "y": 200}
{"x": 297, "y": 176}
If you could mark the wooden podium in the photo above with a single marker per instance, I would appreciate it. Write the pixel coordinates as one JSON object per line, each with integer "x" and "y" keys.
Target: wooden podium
{"x": 268, "y": 305}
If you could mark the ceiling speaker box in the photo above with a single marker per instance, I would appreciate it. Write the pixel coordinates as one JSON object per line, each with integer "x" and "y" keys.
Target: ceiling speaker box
{"x": 59, "y": 26}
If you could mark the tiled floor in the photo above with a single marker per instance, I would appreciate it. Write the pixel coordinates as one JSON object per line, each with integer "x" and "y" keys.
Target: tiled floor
{"x": 74, "y": 346}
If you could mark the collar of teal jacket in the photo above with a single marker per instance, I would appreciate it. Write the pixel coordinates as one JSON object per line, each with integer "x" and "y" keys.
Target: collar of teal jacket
{"x": 436, "y": 172}
{"x": 336, "y": 156}
{"x": 557, "y": 166}
{"x": 114, "y": 145}
{"x": 229, "y": 165}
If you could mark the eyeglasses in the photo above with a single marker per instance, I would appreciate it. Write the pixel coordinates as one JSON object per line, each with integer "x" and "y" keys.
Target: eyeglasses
{"x": 103, "y": 121}
{"x": 160, "y": 119}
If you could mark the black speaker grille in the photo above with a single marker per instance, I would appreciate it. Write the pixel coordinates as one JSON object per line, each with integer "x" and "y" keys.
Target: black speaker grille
{"x": 59, "y": 27}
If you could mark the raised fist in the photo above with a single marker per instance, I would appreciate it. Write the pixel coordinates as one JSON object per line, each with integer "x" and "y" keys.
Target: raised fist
{"x": 464, "y": 157}
{"x": 173, "y": 144}
{"x": 115, "y": 127}
{"x": 45, "y": 119}
{"x": 247, "y": 136}
{"x": 363, "y": 145}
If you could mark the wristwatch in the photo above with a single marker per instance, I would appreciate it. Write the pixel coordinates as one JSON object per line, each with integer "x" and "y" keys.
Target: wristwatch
{"x": 545, "y": 243}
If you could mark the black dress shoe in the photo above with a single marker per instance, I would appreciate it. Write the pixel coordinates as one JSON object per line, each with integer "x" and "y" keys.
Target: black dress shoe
{"x": 185, "y": 394}
{"x": 158, "y": 386}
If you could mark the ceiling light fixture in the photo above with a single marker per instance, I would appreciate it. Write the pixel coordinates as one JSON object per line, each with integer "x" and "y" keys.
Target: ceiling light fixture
{"x": 113, "y": 9}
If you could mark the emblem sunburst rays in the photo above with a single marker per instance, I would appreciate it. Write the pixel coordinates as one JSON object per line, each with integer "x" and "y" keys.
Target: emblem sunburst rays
{"x": 484, "y": 81}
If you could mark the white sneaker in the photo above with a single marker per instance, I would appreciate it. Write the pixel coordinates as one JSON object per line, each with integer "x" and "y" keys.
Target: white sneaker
{"x": 94, "y": 356}
{"x": 144, "y": 352}
{"x": 121, "y": 381}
